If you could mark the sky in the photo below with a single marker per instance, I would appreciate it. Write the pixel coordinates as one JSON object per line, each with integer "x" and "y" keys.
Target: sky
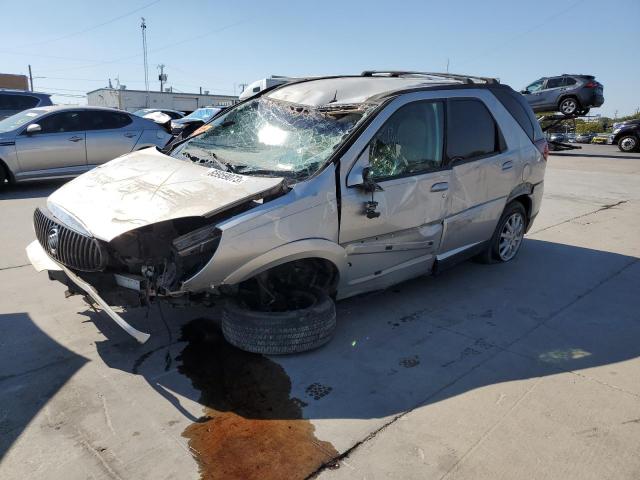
{"x": 75, "y": 46}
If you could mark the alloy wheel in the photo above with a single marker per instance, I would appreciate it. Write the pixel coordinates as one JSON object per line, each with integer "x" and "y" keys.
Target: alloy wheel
{"x": 569, "y": 106}
{"x": 511, "y": 237}
{"x": 628, "y": 144}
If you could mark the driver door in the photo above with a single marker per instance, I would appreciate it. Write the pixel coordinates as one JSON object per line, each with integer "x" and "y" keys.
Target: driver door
{"x": 396, "y": 236}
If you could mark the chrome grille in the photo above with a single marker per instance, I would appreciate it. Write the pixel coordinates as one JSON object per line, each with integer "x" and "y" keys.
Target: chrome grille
{"x": 73, "y": 249}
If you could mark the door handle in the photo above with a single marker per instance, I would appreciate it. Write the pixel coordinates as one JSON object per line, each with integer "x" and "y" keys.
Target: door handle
{"x": 440, "y": 187}
{"x": 508, "y": 165}
{"x": 130, "y": 135}
{"x": 75, "y": 139}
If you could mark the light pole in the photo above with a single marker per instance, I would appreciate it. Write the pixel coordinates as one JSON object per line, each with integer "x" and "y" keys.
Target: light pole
{"x": 143, "y": 27}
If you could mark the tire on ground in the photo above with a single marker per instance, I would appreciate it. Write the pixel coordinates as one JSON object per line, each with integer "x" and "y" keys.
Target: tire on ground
{"x": 274, "y": 333}
{"x": 628, "y": 143}
{"x": 490, "y": 254}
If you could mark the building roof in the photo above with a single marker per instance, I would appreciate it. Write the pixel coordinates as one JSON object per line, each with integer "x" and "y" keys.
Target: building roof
{"x": 358, "y": 89}
{"x": 181, "y": 94}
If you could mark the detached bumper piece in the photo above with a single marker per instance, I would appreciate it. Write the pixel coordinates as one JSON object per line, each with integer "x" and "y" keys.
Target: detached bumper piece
{"x": 41, "y": 261}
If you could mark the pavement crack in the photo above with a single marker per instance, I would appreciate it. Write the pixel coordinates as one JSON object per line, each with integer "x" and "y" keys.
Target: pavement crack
{"x": 601, "y": 209}
{"x": 15, "y": 266}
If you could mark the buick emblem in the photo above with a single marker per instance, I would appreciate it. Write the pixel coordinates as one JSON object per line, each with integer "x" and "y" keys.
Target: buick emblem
{"x": 52, "y": 240}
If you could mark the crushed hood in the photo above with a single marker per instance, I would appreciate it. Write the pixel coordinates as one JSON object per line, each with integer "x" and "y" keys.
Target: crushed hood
{"x": 146, "y": 187}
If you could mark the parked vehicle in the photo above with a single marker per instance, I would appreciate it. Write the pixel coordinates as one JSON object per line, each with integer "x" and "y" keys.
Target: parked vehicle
{"x": 57, "y": 142}
{"x": 601, "y": 138}
{"x": 174, "y": 114}
{"x": 264, "y": 83}
{"x": 627, "y": 136}
{"x": 557, "y": 137}
{"x": 571, "y": 137}
{"x": 567, "y": 93}
{"x": 310, "y": 192}
{"x": 14, "y": 101}
{"x": 199, "y": 117}
{"x": 584, "y": 137}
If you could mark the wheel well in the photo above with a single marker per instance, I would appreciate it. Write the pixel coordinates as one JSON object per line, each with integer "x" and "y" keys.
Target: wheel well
{"x": 7, "y": 172}
{"x": 564, "y": 97}
{"x": 526, "y": 203}
{"x": 300, "y": 274}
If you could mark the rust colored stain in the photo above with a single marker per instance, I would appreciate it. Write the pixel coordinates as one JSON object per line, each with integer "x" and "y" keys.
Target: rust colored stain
{"x": 251, "y": 427}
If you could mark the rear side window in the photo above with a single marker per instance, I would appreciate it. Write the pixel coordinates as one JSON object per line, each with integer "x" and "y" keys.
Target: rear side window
{"x": 568, "y": 81}
{"x": 174, "y": 115}
{"x": 520, "y": 111}
{"x": 17, "y": 102}
{"x": 554, "y": 82}
{"x": 471, "y": 130}
{"x": 101, "y": 120}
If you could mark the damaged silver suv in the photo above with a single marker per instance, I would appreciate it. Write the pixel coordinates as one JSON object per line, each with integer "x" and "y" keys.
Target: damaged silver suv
{"x": 311, "y": 192}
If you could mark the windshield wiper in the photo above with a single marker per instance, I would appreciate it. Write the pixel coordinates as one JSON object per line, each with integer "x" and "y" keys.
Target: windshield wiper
{"x": 222, "y": 165}
{"x": 227, "y": 166}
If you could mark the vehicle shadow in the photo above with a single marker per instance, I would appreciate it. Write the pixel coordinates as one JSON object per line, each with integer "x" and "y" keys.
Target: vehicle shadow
{"x": 408, "y": 346}
{"x": 26, "y": 382}
{"x": 32, "y": 189}
{"x": 621, "y": 156}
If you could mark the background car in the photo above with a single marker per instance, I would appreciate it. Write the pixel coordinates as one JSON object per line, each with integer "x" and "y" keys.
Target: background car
{"x": 567, "y": 93}
{"x": 627, "y": 136}
{"x": 600, "y": 138}
{"x": 174, "y": 114}
{"x": 194, "y": 120}
{"x": 57, "y": 142}
{"x": 557, "y": 137}
{"x": 584, "y": 137}
{"x": 14, "y": 101}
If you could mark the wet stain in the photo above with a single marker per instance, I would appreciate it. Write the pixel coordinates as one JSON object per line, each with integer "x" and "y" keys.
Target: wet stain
{"x": 409, "y": 362}
{"x": 479, "y": 346}
{"x": 251, "y": 428}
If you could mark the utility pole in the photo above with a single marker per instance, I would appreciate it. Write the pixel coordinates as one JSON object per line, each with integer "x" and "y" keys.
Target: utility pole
{"x": 162, "y": 77}
{"x": 143, "y": 27}
{"x": 30, "y": 79}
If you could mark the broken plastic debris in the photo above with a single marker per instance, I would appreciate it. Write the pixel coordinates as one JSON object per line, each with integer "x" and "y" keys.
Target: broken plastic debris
{"x": 353, "y": 344}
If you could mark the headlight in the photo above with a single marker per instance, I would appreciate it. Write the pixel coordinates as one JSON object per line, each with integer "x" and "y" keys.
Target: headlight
{"x": 204, "y": 239}
{"x": 616, "y": 130}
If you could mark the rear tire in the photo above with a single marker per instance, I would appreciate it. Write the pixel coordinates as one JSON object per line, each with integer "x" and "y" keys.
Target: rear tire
{"x": 568, "y": 106}
{"x": 628, "y": 143}
{"x": 507, "y": 237}
{"x": 274, "y": 333}
{"x": 4, "y": 177}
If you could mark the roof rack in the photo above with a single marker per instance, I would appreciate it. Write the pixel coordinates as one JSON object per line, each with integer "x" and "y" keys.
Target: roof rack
{"x": 453, "y": 76}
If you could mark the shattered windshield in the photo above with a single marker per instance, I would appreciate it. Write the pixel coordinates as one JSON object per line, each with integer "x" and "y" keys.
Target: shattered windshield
{"x": 273, "y": 138}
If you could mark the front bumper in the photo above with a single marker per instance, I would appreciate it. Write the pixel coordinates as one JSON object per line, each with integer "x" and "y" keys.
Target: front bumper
{"x": 41, "y": 261}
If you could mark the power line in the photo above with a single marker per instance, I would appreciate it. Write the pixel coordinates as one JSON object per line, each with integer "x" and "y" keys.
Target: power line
{"x": 85, "y": 30}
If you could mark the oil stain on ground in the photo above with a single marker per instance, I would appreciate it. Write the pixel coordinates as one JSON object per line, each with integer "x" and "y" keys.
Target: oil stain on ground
{"x": 251, "y": 427}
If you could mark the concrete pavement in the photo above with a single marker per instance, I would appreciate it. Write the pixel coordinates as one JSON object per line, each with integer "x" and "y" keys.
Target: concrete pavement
{"x": 524, "y": 370}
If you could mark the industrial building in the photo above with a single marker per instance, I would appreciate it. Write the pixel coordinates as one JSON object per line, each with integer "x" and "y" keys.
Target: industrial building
{"x": 132, "y": 100}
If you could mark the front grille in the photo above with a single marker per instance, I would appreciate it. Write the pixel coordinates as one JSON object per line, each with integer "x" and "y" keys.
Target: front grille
{"x": 73, "y": 249}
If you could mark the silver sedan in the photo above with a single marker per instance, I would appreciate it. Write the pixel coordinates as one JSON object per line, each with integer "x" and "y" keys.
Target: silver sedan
{"x": 58, "y": 142}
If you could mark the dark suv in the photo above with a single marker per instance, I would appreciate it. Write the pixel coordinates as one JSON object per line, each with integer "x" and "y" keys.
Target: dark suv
{"x": 14, "y": 101}
{"x": 627, "y": 136}
{"x": 567, "y": 94}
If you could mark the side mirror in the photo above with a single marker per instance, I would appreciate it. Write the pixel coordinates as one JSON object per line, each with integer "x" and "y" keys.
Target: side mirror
{"x": 33, "y": 128}
{"x": 368, "y": 183}
{"x": 524, "y": 92}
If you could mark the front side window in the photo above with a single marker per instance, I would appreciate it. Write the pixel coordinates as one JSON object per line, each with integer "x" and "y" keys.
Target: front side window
{"x": 272, "y": 138}
{"x": 535, "y": 86}
{"x": 62, "y": 122}
{"x": 471, "y": 130}
{"x": 410, "y": 142}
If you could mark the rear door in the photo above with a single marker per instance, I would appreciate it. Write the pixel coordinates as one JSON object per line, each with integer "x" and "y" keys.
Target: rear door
{"x": 59, "y": 145}
{"x": 483, "y": 173}
{"x": 109, "y": 135}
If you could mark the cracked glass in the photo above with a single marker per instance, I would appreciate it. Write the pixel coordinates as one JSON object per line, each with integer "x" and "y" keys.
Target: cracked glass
{"x": 273, "y": 138}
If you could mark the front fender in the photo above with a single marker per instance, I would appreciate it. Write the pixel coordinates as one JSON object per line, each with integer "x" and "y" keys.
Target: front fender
{"x": 307, "y": 248}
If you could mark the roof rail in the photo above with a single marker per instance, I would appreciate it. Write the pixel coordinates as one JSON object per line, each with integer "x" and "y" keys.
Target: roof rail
{"x": 453, "y": 76}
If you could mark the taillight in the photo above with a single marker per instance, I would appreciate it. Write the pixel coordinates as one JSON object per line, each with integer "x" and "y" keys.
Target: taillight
{"x": 591, "y": 85}
{"x": 543, "y": 147}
